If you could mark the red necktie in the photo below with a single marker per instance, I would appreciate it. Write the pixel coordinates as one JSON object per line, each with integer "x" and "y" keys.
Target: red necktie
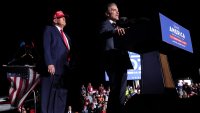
{"x": 64, "y": 39}
{"x": 66, "y": 43}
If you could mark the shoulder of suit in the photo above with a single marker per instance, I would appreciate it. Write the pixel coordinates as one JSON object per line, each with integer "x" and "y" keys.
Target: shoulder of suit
{"x": 105, "y": 22}
{"x": 49, "y": 27}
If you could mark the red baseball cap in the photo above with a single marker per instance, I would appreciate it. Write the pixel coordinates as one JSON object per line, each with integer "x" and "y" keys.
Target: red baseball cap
{"x": 59, "y": 14}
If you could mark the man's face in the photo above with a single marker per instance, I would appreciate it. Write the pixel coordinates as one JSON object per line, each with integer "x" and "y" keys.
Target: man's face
{"x": 113, "y": 13}
{"x": 60, "y": 21}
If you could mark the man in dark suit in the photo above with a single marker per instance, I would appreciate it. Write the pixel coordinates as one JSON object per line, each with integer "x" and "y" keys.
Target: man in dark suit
{"x": 56, "y": 46}
{"x": 116, "y": 58}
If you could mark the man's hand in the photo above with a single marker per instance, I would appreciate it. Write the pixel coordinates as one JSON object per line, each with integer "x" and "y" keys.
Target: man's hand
{"x": 51, "y": 69}
{"x": 120, "y": 31}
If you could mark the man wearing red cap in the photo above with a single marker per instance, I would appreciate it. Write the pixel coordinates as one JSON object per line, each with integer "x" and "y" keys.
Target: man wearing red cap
{"x": 56, "y": 46}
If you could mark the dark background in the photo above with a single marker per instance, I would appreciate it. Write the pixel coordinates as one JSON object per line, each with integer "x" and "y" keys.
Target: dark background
{"x": 25, "y": 21}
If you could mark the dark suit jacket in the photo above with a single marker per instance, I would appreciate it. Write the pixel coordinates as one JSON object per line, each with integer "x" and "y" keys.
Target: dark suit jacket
{"x": 55, "y": 51}
{"x": 115, "y": 55}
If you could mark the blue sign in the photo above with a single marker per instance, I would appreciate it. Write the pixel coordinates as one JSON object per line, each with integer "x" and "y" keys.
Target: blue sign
{"x": 175, "y": 34}
{"x": 135, "y": 73}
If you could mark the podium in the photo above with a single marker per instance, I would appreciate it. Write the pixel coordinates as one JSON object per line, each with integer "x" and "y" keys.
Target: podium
{"x": 19, "y": 70}
{"x": 155, "y": 38}
{"x": 23, "y": 80}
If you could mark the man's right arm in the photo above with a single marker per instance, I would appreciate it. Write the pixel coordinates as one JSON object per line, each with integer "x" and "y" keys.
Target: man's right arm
{"x": 105, "y": 31}
{"x": 47, "y": 45}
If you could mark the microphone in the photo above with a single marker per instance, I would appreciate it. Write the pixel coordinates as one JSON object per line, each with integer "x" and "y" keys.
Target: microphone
{"x": 13, "y": 60}
{"x": 22, "y": 44}
{"x": 125, "y": 23}
{"x": 123, "y": 19}
{"x": 122, "y": 22}
{"x": 31, "y": 55}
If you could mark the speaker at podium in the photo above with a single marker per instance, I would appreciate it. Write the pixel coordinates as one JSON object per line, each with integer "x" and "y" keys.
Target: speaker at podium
{"x": 155, "y": 38}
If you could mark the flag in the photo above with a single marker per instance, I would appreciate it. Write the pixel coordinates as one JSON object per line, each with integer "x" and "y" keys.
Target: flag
{"x": 21, "y": 87}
